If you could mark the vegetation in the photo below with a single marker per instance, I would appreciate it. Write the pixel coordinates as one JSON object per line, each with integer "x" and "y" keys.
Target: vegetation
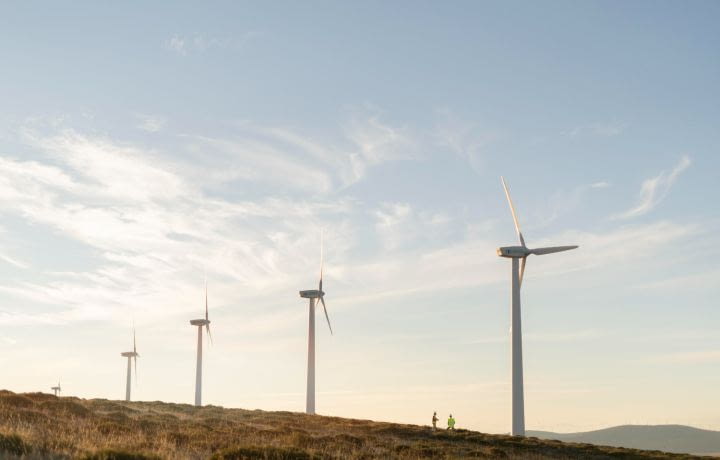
{"x": 41, "y": 426}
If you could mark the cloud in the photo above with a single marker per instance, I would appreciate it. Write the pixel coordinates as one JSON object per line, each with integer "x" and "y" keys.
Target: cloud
{"x": 373, "y": 143}
{"x": 13, "y": 261}
{"x": 588, "y": 334}
{"x": 153, "y": 231}
{"x": 151, "y": 123}
{"x": 465, "y": 139}
{"x": 367, "y": 142}
{"x": 565, "y": 201}
{"x": 184, "y": 45}
{"x": 703, "y": 356}
{"x": 598, "y": 129}
{"x": 398, "y": 224}
{"x": 655, "y": 189}
{"x": 177, "y": 44}
{"x": 600, "y": 184}
{"x": 152, "y": 228}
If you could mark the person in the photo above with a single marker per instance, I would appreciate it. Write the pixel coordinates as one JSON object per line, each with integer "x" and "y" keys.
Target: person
{"x": 451, "y": 423}
{"x": 435, "y": 419}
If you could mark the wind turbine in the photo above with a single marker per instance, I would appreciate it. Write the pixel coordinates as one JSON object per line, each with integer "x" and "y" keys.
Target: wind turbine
{"x": 314, "y": 295}
{"x": 198, "y": 372}
{"x": 519, "y": 255}
{"x": 56, "y": 389}
{"x": 130, "y": 355}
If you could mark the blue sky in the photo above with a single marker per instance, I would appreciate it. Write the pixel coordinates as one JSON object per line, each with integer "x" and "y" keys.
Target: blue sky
{"x": 144, "y": 145}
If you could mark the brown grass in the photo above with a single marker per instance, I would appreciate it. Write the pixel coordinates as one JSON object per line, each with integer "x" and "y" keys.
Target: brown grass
{"x": 41, "y": 426}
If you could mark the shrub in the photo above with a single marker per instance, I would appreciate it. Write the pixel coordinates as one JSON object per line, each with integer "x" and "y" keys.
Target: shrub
{"x": 112, "y": 454}
{"x": 68, "y": 407}
{"x": 264, "y": 453}
{"x": 13, "y": 400}
{"x": 13, "y": 444}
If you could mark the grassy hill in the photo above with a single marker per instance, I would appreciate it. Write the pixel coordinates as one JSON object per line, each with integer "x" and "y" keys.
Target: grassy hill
{"x": 669, "y": 438}
{"x": 41, "y": 426}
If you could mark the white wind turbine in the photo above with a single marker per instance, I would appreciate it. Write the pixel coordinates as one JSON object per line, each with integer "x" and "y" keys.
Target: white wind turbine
{"x": 198, "y": 372}
{"x": 130, "y": 355}
{"x": 56, "y": 389}
{"x": 519, "y": 255}
{"x": 313, "y": 295}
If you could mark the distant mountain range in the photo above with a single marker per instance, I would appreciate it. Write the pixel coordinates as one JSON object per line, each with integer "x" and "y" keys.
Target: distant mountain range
{"x": 668, "y": 438}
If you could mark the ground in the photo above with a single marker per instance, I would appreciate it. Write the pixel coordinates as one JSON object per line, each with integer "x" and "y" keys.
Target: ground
{"x": 42, "y": 426}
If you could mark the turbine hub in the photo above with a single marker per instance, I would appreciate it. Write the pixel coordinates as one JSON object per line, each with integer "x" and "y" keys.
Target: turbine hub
{"x": 513, "y": 252}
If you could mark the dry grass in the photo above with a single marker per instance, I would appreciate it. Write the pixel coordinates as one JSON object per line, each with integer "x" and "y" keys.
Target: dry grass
{"x": 41, "y": 426}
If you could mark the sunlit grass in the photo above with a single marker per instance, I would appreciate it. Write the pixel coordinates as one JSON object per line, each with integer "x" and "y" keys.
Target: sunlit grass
{"x": 41, "y": 426}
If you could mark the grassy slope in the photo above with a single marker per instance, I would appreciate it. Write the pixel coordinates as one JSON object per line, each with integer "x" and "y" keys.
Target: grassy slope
{"x": 43, "y": 426}
{"x": 670, "y": 438}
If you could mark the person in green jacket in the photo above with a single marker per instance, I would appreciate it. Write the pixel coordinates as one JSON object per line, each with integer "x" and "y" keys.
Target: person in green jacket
{"x": 451, "y": 423}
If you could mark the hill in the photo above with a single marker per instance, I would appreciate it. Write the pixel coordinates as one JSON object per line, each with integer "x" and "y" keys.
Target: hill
{"x": 42, "y": 426}
{"x": 668, "y": 438}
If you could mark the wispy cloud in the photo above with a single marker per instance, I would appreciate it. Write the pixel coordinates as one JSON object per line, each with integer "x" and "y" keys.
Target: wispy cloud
{"x": 151, "y": 123}
{"x": 399, "y": 224}
{"x": 13, "y": 261}
{"x": 463, "y": 138}
{"x": 153, "y": 230}
{"x": 655, "y": 189}
{"x": 702, "y": 356}
{"x": 565, "y": 201}
{"x": 599, "y": 129}
{"x": 184, "y": 45}
{"x": 177, "y": 44}
{"x": 588, "y": 334}
{"x": 374, "y": 142}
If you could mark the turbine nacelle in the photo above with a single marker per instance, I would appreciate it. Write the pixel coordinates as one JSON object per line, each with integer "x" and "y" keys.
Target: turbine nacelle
{"x": 312, "y": 294}
{"x": 513, "y": 252}
{"x": 199, "y": 322}
{"x": 129, "y": 354}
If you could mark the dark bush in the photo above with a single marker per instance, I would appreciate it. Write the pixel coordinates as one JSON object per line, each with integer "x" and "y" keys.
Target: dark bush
{"x": 112, "y": 454}
{"x": 13, "y": 444}
{"x": 264, "y": 453}
{"x": 13, "y": 400}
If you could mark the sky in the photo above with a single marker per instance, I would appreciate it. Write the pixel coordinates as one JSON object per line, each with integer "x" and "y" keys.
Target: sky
{"x": 148, "y": 146}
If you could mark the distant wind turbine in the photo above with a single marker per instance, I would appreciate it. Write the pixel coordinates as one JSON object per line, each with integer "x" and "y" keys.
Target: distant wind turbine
{"x": 56, "y": 389}
{"x": 130, "y": 355}
{"x": 198, "y": 372}
{"x": 519, "y": 255}
{"x": 313, "y": 295}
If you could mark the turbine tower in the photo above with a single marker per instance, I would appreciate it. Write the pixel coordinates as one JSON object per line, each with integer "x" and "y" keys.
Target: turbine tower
{"x": 313, "y": 295}
{"x": 198, "y": 372}
{"x": 130, "y": 355}
{"x": 519, "y": 255}
{"x": 56, "y": 389}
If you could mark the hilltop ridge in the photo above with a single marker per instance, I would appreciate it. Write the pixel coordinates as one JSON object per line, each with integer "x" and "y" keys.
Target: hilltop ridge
{"x": 42, "y": 426}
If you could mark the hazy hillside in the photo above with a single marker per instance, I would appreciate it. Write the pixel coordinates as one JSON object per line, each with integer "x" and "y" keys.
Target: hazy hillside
{"x": 41, "y": 426}
{"x": 668, "y": 438}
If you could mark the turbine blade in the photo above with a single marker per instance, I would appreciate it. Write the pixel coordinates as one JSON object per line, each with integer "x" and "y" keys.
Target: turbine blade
{"x": 321, "y": 260}
{"x": 512, "y": 210}
{"x": 550, "y": 250}
{"x": 322, "y": 299}
{"x": 207, "y": 329}
{"x": 134, "y": 345}
{"x": 136, "y": 379}
{"x": 206, "y": 302}
{"x": 522, "y": 269}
